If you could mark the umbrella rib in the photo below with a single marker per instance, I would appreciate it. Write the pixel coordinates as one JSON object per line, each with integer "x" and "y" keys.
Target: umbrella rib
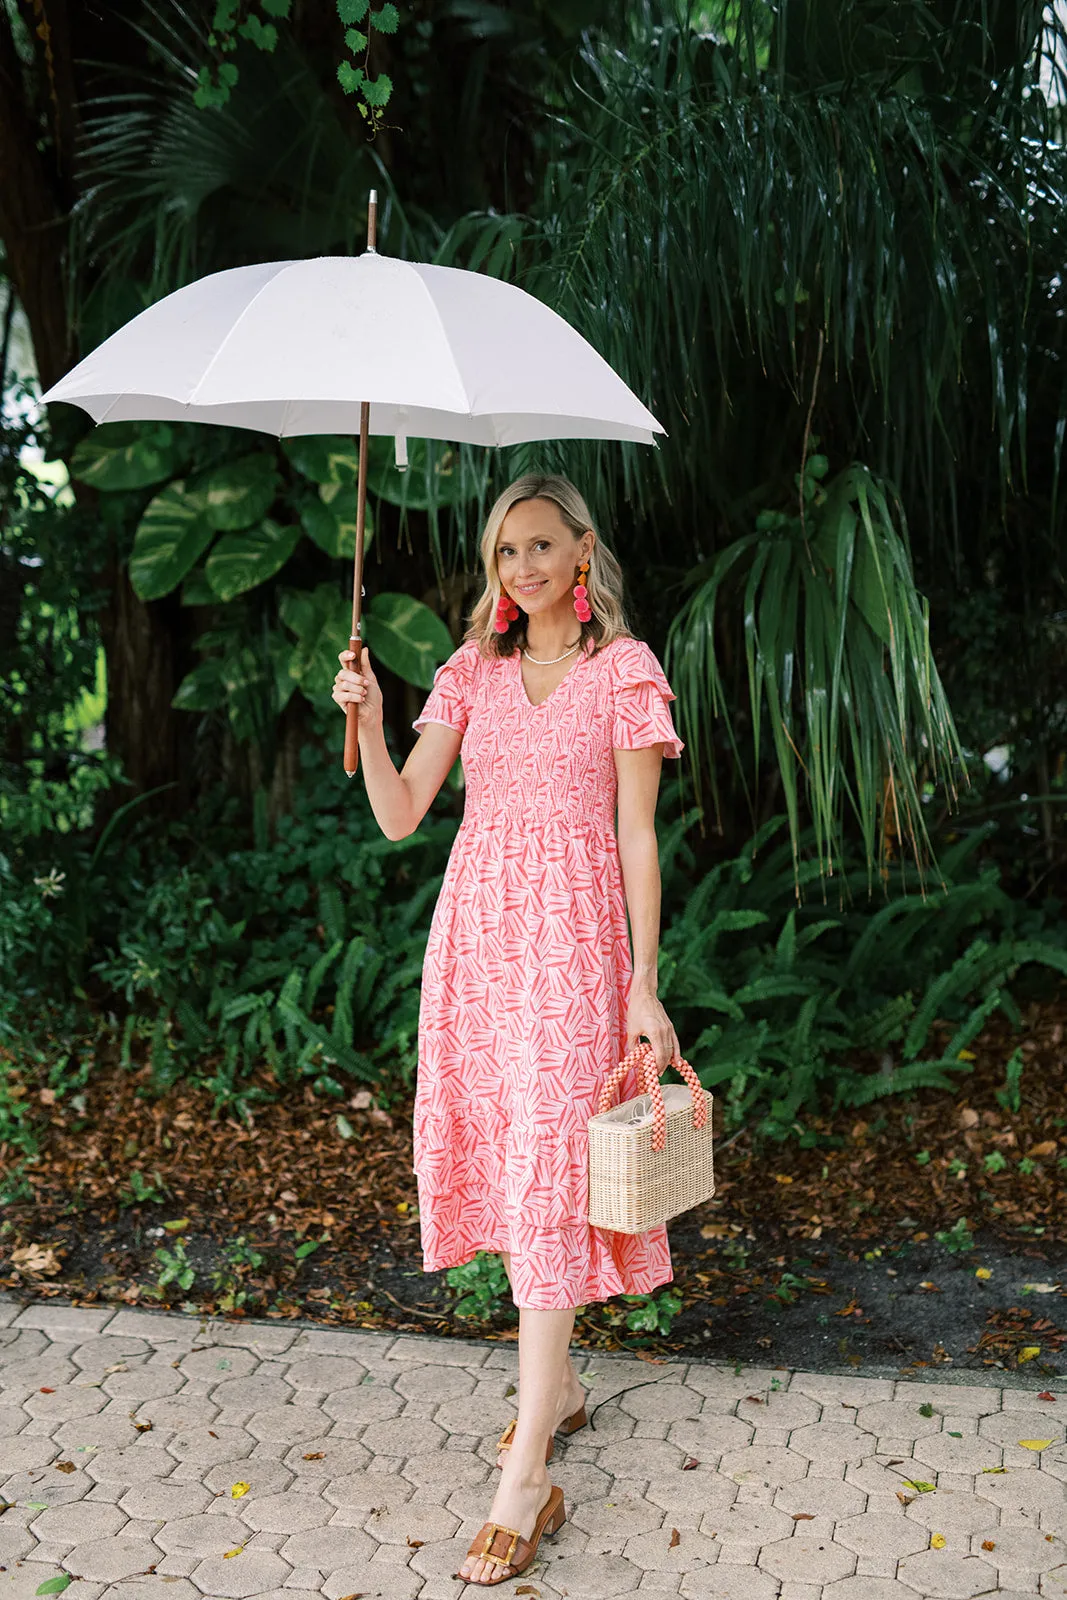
{"x": 448, "y": 346}
{"x": 230, "y": 333}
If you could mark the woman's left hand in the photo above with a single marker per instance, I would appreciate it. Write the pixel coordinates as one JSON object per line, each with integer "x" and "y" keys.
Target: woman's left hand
{"x": 645, "y": 1016}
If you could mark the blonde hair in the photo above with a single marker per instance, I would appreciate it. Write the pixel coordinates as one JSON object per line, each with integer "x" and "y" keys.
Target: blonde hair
{"x": 604, "y": 581}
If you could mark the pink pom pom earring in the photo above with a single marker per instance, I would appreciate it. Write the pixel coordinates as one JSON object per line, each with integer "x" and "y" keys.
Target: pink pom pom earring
{"x": 506, "y": 611}
{"x": 581, "y": 594}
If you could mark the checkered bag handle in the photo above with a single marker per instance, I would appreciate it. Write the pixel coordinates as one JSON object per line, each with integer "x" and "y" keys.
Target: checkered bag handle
{"x": 643, "y": 1058}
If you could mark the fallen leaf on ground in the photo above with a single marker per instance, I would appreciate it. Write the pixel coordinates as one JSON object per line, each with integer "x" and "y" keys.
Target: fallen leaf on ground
{"x": 676, "y": 1538}
{"x": 1035, "y": 1444}
{"x": 1028, "y": 1352}
{"x": 989, "y": 1544}
{"x": 937, "y": 1541}
{"x": 236, "y": 1551}
{"x": 239, "y": 1489}
{"x": 65, "y": 1466}
{"x": 1046, "y": 1394}
{"x": 36, "y": 1261}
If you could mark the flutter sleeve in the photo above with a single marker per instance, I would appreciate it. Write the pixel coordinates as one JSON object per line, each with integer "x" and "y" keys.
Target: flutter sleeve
{"x": 449, "y": 699}
{"x": 642, "y": 714}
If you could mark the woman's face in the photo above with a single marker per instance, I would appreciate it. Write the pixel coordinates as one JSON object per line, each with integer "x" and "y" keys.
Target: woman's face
{"x": 536, "y": 548}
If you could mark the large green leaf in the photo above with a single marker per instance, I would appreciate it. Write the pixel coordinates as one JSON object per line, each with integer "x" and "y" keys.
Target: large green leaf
{"x": 240, "y": 492}
{"x": 203, "y": 689}
{"x": 324, "y": 457}
{"x": 407, "y": 637}
{"x": 171, "y": 537}
{"x": 126, "y": 455}
{"x": 330, "y": 519}
{"x": 242, "y": 560}
{"x": 435, "y": 475}
{"x": 320, "y": 620}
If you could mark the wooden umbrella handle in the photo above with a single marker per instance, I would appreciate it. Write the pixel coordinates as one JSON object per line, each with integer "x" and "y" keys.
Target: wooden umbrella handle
{"x": 351, "y": 757}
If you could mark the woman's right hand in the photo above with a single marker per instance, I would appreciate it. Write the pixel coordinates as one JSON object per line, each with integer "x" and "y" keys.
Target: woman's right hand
{"x": 360, "y": 689}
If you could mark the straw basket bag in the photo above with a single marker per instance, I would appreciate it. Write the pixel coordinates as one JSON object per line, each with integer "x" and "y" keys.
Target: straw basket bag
{"x": 651, "y": 1157}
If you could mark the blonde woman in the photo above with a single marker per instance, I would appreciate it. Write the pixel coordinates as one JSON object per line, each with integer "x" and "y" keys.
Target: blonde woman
{"x": 530, "y": 994}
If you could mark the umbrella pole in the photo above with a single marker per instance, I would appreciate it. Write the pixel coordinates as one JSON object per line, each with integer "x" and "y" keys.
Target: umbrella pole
{"x": 355, "y": 643}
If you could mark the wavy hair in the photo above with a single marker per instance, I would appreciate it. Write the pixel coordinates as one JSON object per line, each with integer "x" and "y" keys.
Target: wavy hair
{"x": 604, "y": 582}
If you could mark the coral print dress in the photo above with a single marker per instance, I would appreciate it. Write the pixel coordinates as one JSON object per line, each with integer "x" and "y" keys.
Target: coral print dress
{"x": 527, "y": 974}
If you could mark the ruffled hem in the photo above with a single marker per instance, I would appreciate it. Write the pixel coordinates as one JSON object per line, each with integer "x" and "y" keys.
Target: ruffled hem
{"x": 642, "y": 694}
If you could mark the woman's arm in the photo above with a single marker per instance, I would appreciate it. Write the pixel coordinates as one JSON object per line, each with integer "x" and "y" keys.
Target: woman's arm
{"x": 399, "y": 800}
{"x": 638, "y": 774}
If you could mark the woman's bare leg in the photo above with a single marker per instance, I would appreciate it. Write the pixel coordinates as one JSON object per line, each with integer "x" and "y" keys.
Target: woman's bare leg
{"x": 524, "y": 1484}
{"x": 571, "y": 1393}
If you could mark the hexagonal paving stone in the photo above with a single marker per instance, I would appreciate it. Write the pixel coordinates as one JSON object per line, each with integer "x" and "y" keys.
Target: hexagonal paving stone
{"x": 943, "y": 1575}
{"x": 897, "y": 1419}
{"x": 291, "y": 1512}
{"x": 749, "y": 1524}
{"x": 251, "y": 1394}
{"x": 65, "y": 1403}
{"x": 690, "y": 1494}
{"x": 327, "y": 1458}
{"x": 152, "y": 1381}
{"x": 151, "y": 1502}
{"x": 710, "y": 1435}
{"x": 12, "y": 1421}
{"x": 153, "y": 1588}
{"x": 262, "y": 1474}
{"x": 820, "y": 1497}
{"x": 1008, "y": 1427}
{"x": 79, "y": 1520}
{"x": 483, "y": 1413}
{"x": 30, "y": 1374}
{"x": 129, "y": 1466}
{"x": 661, "y": 1402}
{"x": 960, "y": 1513}
{"x": 598, "y": 1579}
{"x": 325, "y": 1374}
{"x": 374, "y": 1582}
{"x": 780, "y": 1409}
{"x": 217, "y": 1363}
{"x": 1019, "y": 1550}
{"x": 405, "y": 1436}
{"x": 825, "y": 1441}
{"x": 957, "y": 1399}
{"x": 445, "y": 1470}
{"x": 107, "y": 1348}
{"x": 863, "y": 1587}
{"x": 363, "y": 1491}
{"x": 641, "y": 1458}
{"x": 208, "y": 1535}
{"x": 763, "y": 1464}
{"x": 15, "y": 1543}
{"x": 654, "y": 1552}
{"x": 436, "y": 1383}
{"x": 968, "y": 1454}
{"x": 881, "y": 1534}
{"x": 205, "y": 1447}
{"x": 1032, "y": 1491}
{"x": 326, "y": 1549}
{"x": 247, "y": 1574}
{"x": 55, "y": 1488}
{"x": 803, "y": 1559}
{"x": 178, "y": 1412}
{"x": 400, "y": 1524}
{"x": 363, "y": 1403}
{"x": 612, "y": 1518}
{"x": 288, "y": 1424}
{"x": 727, "y": 1582}
{"x": 27, "y": 1451}
{"x": 109, "y": 1560}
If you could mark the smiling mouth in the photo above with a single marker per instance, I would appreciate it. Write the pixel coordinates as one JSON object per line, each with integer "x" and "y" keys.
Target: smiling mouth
{"x": 531, "y": 588}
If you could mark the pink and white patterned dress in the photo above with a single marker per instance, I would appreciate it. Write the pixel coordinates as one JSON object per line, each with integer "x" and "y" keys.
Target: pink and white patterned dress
{"x": 527, "y": 974}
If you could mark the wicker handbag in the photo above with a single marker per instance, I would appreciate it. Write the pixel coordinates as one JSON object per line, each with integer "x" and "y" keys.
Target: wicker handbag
{"x": 650, "y": 1158}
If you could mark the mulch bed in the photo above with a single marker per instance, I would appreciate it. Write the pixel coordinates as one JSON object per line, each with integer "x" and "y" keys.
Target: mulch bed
{"x": 324, "y": 1193}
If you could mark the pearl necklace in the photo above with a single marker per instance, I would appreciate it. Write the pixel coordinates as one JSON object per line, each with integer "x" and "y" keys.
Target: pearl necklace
{"x": 551, "y": 663}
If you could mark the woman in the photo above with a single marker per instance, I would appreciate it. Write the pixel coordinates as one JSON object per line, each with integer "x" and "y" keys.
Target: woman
{"x": 529, "y": 994}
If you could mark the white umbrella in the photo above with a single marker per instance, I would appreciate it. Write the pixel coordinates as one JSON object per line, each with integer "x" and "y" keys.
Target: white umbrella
{"x": 366, "y": 343}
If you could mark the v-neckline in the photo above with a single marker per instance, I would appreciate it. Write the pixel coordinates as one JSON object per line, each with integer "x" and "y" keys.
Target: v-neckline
{"x": 531, "y": 706}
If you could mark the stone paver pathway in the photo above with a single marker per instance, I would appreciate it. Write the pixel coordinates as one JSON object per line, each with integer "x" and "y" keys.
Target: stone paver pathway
{"x": 369, "y": 1464}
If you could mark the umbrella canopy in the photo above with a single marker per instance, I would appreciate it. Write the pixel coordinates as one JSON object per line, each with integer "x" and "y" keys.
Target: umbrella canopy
{"x": 294, "y": 347}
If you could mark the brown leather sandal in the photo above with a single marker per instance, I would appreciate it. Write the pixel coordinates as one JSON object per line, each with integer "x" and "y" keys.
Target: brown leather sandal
{"x": 569, "y": 1424}
{"x": 506, "y": 1548}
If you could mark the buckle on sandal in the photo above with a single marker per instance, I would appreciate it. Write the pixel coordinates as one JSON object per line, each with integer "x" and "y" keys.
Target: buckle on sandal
{"x": 487, "y": 1555}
